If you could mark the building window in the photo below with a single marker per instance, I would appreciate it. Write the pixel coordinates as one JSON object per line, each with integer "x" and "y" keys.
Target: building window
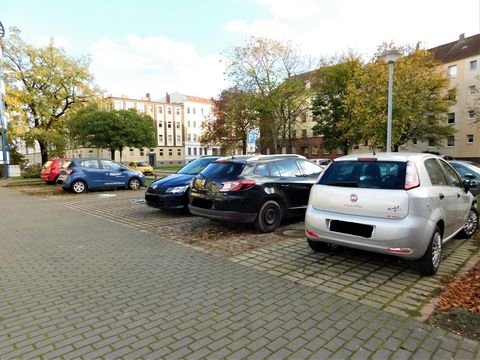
{"x": 169, "y": 124}
{"x": 177, "y": 112}
{"x": 179, "y": 139}
{"x": 450, "y": 141}
{"x": 414, "y": 141}
{"x": 305, "y": 150}
{"x": 304, "y": 117}
{"x": 170, "y": 152}
{"x": 188, "y": 110}
{"x": 178, "y": 125}
{"x": 431, "y": 143}
{"x": 452, "y": 94}
{"x": 472, "y": 89}
{"x": 471, "y": 114}
{"x": 160, "y": 152}
{"x": 304, "y": 133}
{"x": 473, "y": 65}
{"x": 326, "y": 152}
{"x": 451, "y": 118}
{"x": 194, "y": 124}
{"x": 160, "y": 110}
{"x": 314, "y": 150}
{"x": 142, "y": 152}
{"x": 169, "y": 111}
{"x": 170, "y": 139}
{"x": 179, "y": 152}
{"x": 194, "y": 151}
{"x": 452, "y": 71}
{"x": 160, "y": 138}
{"x": 195, "y": 138}
{"x": 200, "y": 152}
{"x": 470, "y": 139}
{"x": 160, "y": 124}
{"x": 189, "y": 151}
{"x": 193, "y": 111}
{"x": 118, "y": 105}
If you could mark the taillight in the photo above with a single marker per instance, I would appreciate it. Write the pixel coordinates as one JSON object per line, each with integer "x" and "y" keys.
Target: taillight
{"x": 412, "y": 180}
{"x": 237, "y": 185}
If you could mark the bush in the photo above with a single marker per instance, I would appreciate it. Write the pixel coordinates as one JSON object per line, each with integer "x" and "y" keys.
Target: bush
{"x": 33, "y": 171}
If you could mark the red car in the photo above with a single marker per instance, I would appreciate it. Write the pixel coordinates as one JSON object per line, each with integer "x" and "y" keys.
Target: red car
{"x": 51, "y": 170}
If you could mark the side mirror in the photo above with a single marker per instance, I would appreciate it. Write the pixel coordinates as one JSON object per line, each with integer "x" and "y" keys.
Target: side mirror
{"x": 469, "y": 183}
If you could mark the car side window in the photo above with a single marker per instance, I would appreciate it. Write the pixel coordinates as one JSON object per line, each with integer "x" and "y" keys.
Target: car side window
{"x": 91, "y": 164}
{"x": 262, "y": 170}
{"x": 452, "y": 176}
{"x": 309, "y": 168}
{"x": 435, "y": 172}
{"x": 110, "y": 165}
{"x": 288, "y": 168}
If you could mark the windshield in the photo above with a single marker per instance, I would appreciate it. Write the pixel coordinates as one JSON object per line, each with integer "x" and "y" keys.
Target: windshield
{"x": 365, "y": 174}
{"x": 141, "y": 163}
{"x": 195, "y": 166}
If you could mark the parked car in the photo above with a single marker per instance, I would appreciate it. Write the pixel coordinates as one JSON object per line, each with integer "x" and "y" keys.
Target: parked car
{"x": 171, "y": 192}
{"x": 323, "y": 163}
{"x": 402, "y": 204}
{"x": 468, "y": 170}
{"x": 80, "y": 175}
{"x": 142, "y": 166}
{"x": 253, "y": 189}
{"x": 51, "y": 169}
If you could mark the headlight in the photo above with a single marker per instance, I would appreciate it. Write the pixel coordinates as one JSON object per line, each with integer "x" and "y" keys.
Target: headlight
{"x": 177, "y": 189}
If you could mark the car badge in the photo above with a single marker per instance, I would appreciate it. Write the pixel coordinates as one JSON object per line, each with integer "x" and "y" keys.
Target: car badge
{"x": 353, "y": 197}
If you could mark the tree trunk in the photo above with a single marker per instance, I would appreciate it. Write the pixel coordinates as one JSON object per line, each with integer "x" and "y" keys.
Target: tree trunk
{"x": 112, "y": 153}
{"x": 43, "y": 151}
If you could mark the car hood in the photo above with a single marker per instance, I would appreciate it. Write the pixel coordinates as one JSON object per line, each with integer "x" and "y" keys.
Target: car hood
{"x": 172, "y": 180}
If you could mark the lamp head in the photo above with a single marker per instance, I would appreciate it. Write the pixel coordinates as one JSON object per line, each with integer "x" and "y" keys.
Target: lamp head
{"x": 391, "y": 55}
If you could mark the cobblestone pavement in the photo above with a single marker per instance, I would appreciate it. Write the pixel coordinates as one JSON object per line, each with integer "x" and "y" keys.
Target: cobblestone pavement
{"x": 384, "y": 282}
{"x": 74, "y": 286}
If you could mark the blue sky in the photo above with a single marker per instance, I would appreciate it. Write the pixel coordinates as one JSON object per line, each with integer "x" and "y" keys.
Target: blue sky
{"x": 156, "y": 46}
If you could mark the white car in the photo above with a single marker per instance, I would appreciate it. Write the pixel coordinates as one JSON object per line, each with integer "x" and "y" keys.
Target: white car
{"x": 403, "y": 204}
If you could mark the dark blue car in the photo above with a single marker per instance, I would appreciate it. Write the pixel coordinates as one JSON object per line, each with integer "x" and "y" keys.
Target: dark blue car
{"x": 171, "y": 192}
{"x": 80, "y": 175}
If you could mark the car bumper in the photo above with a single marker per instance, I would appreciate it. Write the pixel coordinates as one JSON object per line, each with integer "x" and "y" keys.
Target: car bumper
{"x": 222, "y": 215}
{"x": 412, "y": 233}
{"x": 166, "y": 201}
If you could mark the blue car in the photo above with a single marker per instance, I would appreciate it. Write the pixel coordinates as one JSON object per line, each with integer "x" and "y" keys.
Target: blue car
{"x": 171, "y": 192}
{"x": 80, "y": 175}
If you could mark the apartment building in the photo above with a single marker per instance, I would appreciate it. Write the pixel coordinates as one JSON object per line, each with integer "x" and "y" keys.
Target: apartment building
{"x": 196, "y": 111}
{"x": 461, "y": 62}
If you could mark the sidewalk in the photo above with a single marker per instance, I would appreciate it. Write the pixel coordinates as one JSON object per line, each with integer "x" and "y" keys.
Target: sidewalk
{"x": 76, "y": 286}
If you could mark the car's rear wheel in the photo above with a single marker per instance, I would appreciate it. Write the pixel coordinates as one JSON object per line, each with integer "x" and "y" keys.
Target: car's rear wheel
{"x": 79, "y": 186}
{"x": 430, "y": 262}
{"x": 269, "y": 217}
{"x": 318, "y": 245}
{"x": 470, "y": 225}
{"x": 134, "y": 184}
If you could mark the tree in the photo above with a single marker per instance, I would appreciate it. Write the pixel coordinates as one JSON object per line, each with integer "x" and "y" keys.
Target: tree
{"x": 111, "y": 129}
{"x": 234, "y": 116}
{"x": 268, "y": 69}
{"x": 43, "y": 87}
{"x": 335, "y": 119}
{"x": 420, "y": 100}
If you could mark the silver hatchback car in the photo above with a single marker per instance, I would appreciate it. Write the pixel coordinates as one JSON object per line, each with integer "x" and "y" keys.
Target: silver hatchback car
{"x": 403, "y": 204}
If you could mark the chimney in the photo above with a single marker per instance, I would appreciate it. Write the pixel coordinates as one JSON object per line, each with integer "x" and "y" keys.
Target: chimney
{"x": 462, "y": 37}
{"x": 147, "y": 95}
{"x": 167, "y": 98}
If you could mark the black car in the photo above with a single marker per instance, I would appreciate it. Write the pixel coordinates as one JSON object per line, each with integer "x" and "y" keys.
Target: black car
{"x": 171, "y": 192}
{"x": 254, "y": 189}
{"x": 468, "y": 171}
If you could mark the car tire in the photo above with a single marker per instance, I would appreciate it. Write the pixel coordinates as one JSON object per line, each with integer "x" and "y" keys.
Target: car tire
{"x": 470, "y": 225}
{"x": 430, "y": 262}
{"x": 134, "y": 184}
{"x": 318, "y": 246}
{"x": 78, "y": 187}
{"x": 269, "y": 217}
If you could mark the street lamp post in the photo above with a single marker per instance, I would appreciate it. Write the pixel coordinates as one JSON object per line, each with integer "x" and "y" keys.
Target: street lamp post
{"x": 390, "y": 56}
{"x": 2, "y": 119}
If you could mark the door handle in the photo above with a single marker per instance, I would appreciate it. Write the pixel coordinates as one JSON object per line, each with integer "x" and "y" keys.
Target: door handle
{"x": 458, "y": 195}
{"x": 441, "y": 196}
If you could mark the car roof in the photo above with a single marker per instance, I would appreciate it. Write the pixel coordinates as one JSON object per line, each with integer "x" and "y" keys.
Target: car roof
{"x": 257, "y": 158}
{"x": 391, "y": 156}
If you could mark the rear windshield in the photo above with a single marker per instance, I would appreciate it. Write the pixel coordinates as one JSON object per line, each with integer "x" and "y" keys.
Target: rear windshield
{"x": 143, "y": 164}
{"x": 222, "y": 170}
{"x": 365, "y": 174}
{"x": 195, "y": 166}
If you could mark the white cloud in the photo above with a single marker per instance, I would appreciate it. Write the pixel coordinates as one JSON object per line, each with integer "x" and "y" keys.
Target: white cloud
{"x": 140, "y": 65}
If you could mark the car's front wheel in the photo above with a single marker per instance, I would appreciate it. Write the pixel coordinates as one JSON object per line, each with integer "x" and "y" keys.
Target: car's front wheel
{"x": 269, "y": 217}
{"x": 79, "y": 186}
{"x": 430, "y": 262}
{"x": 134, "y": 184}
{"x": 470, "y": 225}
